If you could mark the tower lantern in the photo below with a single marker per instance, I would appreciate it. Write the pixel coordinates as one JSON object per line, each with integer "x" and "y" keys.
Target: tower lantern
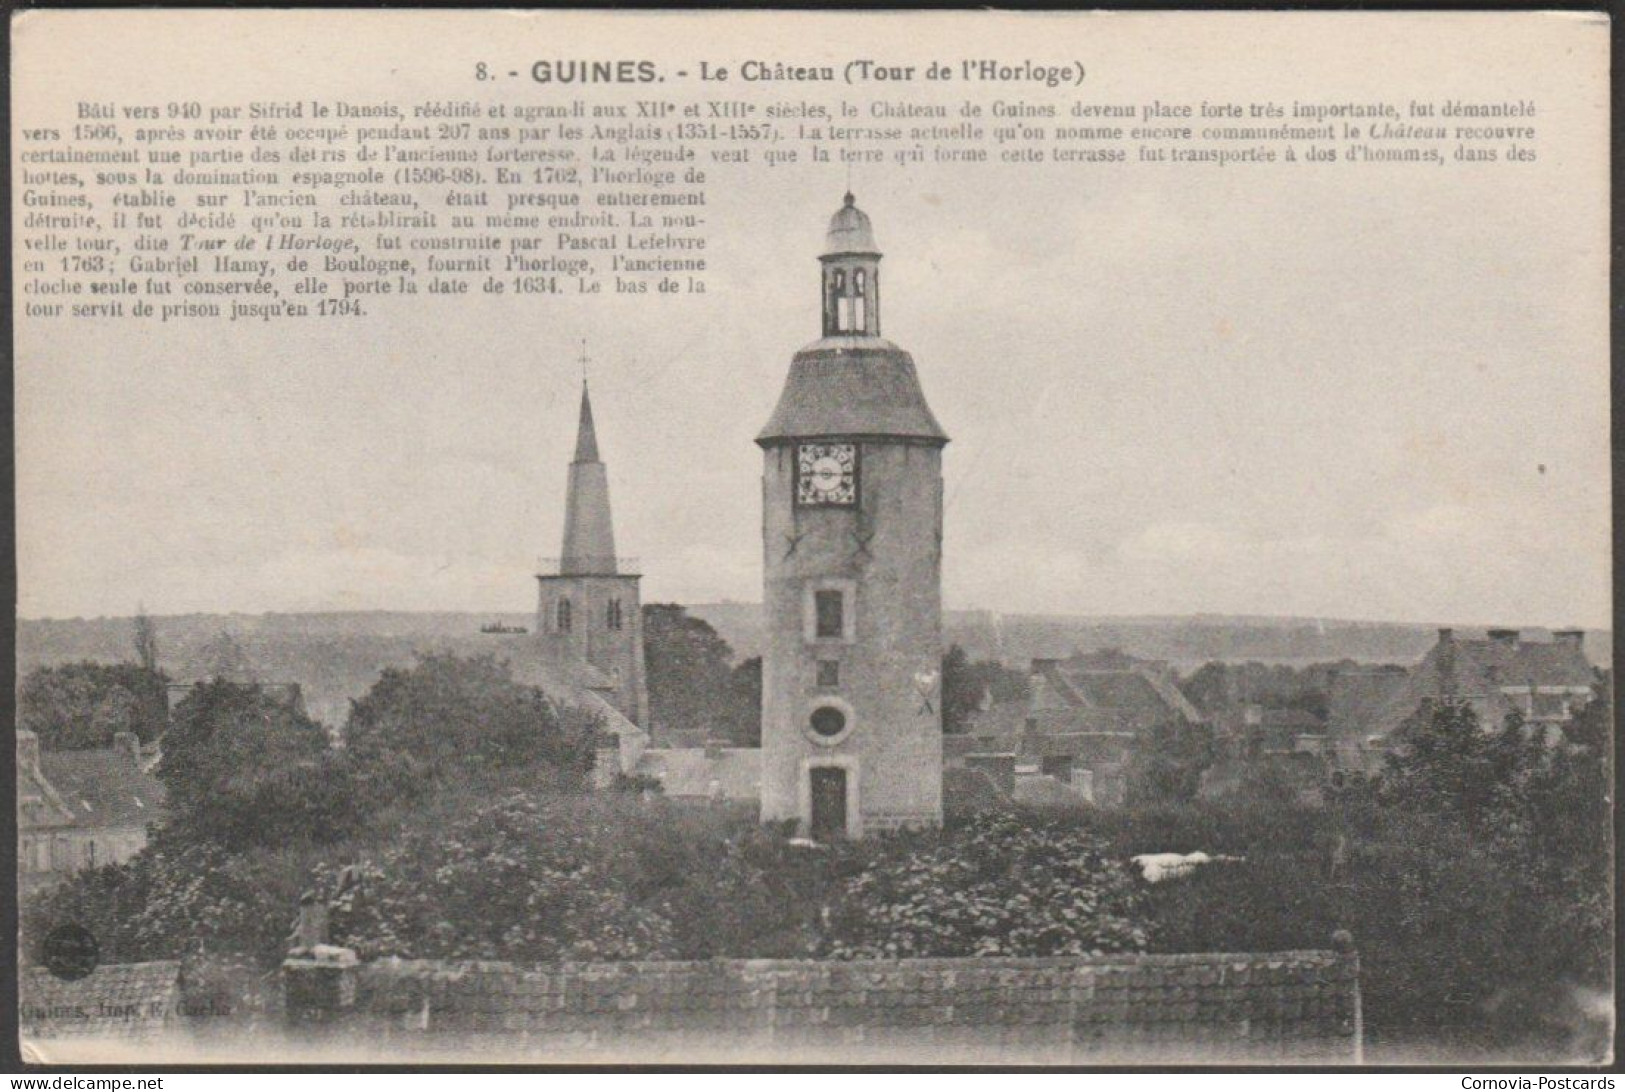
{"x": 851, "y": 274}
{"x": 852, "y": 567}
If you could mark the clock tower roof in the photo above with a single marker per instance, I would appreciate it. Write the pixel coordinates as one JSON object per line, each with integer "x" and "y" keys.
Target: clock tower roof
{"x": 852, "y": 382}
{"x": 852, "y": 386}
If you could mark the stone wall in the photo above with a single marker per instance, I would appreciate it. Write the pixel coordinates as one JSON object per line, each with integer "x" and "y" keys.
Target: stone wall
{"x": 1279, "y": 1007}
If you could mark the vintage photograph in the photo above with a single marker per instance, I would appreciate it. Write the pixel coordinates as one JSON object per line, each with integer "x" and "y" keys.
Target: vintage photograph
{"x": 1170, "y": 624}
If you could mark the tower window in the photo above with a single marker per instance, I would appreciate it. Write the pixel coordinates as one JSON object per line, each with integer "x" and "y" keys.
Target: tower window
{"x": 859, "y": 297}
{"x": 563, "y": 616}
{"x": 829, "y": 673}
{"x": 612, "y": 614}
{"x": 828, "y": 721}
{"x": 831, "y": 609}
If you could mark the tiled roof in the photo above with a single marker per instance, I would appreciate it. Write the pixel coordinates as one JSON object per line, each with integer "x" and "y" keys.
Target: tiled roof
{"x": 1002, "y": 718}
{"x": 852, "y": 386}
{"x": 1129, "y": 699}
{"x": 103, "y": 788}
{"x": 1358, "y": 699}
{"x": 115, "y": 1001}
{"x": 1288, "y": 1006}
{"x": 563, "y": 678}
{"x": 1477, "y": 670}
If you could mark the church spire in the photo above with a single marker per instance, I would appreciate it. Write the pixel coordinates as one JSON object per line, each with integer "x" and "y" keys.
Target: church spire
{"x": 589, "y": 532}
{"x": 586, "y": 437}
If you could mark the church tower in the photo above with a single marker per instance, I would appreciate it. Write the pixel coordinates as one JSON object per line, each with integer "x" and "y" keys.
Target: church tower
{"x": 852, "y": 560}
{"x": 588, "y": 611}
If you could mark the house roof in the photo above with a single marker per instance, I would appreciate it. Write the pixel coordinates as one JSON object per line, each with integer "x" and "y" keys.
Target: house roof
{"x": 1476, "y": 671}
{"x": 1133, "y": 698}
{"x": 1283, "y": 1006}
{"x": 849, "y": 386}
{"x": 1359, "y": 697}
{"x": 114, "y": 1001}
{"x": 1002, "y": 718}
{"x": 102, "y": 788}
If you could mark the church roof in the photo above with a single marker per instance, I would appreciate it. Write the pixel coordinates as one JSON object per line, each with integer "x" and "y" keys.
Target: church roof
{"x": 849, "y": 231}
{"x": 852, "y": 386}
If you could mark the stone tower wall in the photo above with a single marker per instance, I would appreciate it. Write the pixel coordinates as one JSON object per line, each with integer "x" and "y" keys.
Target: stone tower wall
{"x": 894, "y": 743}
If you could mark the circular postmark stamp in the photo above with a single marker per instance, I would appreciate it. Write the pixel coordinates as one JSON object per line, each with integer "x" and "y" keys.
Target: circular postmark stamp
{"x": 70, "y": 951}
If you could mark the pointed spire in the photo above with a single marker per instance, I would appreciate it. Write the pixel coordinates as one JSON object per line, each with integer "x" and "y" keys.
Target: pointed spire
{"x": 589, "y": 532}
{"x": 586, "y": 437}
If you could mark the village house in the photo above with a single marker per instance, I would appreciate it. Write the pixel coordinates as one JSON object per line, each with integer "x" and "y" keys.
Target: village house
{"x": 1545, "y": 681}
{"x": 1072, "y": 739}
{"x": 80, "y": 809}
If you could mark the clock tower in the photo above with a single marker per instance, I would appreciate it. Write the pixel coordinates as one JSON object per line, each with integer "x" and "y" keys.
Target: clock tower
{"x": 852, "y": 561}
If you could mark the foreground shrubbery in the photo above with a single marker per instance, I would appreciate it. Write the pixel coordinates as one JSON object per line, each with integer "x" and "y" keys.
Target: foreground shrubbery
{"x": 1475, "y": 877}
{"x": 535, "y": 877}
{"x": 1000, "y": 885}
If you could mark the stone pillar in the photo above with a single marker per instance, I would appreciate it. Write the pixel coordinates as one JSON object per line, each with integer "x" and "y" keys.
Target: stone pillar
{"x": 1343, "y": 945}
{"x": 318, "y": 979}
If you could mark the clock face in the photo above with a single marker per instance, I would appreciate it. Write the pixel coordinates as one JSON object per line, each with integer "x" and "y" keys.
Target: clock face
{"x": 827, "y": 475}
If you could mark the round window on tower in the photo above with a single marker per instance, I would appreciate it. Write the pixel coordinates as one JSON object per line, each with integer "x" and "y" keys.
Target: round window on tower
{"x": 829, "y": 723}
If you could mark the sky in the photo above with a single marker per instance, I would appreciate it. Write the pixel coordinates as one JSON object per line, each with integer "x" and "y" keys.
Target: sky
{"x": 1375, "y": 392}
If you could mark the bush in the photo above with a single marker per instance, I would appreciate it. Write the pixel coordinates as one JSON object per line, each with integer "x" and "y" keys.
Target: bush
{"x": 999, "y": 885}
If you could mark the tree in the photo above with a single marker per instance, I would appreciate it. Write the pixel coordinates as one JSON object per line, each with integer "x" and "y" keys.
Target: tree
{"x": 962, "y": 691}
{"x": 745, "y": 703}
{"x": 448, "y": 715}
{"x": 81, "y": 706}
{"x": 690, "y": 672}
{"x": 1448, "y": 764}
{"x": 243, "y": 768}
{"x": 1168, "y": 762}
{"x": 966, "y": 683}
{"x": 223, "y": 658}
{"x": 146, "y": 642}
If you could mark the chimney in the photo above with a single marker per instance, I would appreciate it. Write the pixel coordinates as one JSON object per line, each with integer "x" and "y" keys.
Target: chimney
{"x": 27, "y": 750}
{"x": 128, "y": 744}
{"x": 1507, "y": 637}
{"x": 1572, "y": 638}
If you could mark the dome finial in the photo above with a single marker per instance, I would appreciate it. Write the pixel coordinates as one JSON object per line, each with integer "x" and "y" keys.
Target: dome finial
{"x": 849, "y": 230}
